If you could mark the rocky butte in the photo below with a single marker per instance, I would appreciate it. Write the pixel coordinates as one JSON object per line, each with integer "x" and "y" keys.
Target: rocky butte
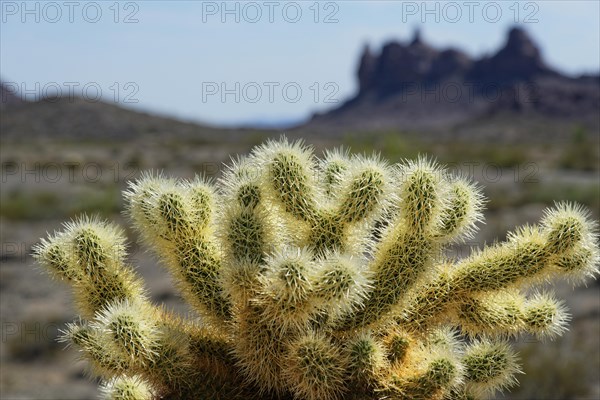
{"x": 413, "y": 85}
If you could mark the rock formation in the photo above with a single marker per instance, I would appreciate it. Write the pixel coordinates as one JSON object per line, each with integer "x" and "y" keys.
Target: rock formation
{"x": 413, "y": 85}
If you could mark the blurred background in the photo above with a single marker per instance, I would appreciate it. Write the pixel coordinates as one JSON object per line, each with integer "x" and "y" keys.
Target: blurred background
{"x": 94, "y": 93}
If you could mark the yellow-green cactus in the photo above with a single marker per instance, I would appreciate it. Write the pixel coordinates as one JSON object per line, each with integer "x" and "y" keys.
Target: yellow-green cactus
{"x": 315, "y": 280}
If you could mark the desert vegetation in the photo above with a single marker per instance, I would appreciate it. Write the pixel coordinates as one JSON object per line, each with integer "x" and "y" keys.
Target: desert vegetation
{"x": 316, "y": 279}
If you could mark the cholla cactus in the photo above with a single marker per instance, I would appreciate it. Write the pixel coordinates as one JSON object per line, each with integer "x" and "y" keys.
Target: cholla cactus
{"x": 315, "y": 280}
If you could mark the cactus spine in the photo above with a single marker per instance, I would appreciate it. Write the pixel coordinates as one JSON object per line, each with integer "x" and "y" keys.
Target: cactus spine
{"x": 315, "y": 279}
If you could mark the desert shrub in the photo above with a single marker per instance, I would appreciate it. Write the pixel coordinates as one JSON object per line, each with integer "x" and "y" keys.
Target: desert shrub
{"x": 316, "y": 279}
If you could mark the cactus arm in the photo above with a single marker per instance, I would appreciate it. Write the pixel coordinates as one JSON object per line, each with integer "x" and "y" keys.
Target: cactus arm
{"x": 90, "y": 255}
{"x": 174, "y": 218}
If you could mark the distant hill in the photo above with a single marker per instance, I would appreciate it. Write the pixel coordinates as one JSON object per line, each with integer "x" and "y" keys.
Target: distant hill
{"x": 77, "y": 118}
{"x": 8, "y": 97}
{"x": 413, "y": 86}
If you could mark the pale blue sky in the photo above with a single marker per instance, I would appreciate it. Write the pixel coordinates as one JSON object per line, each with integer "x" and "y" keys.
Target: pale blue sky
{"x": 177, "y": 52}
